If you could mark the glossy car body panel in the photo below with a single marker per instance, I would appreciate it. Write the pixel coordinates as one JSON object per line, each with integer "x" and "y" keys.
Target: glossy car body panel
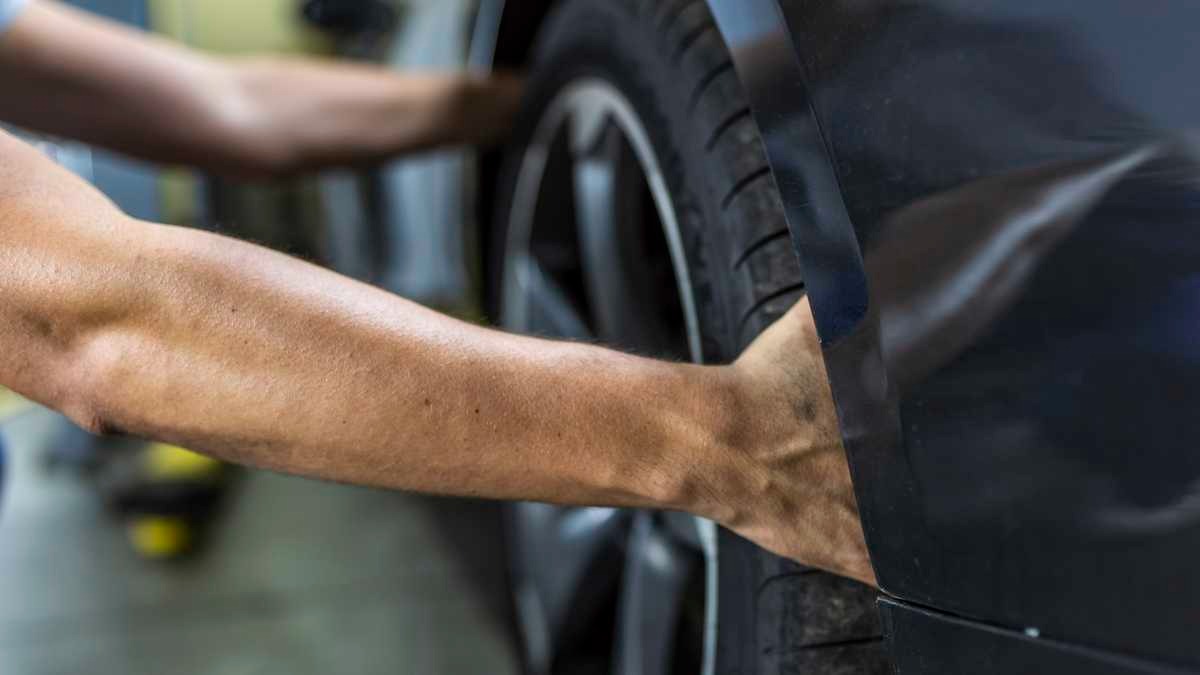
{"x": 926, "y": 643}
{"x": 996, "y": 207}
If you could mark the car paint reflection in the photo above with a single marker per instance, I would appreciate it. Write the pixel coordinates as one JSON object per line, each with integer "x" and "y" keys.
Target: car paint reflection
{"x": 1023, "y": 181}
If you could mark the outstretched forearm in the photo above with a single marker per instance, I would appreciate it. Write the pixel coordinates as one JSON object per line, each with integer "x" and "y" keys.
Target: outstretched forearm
{"x": 313, "y": 114}
{"x": 93, "y": 80}
{"x": 265, "y": 360}
{"x": 249, "y": 355}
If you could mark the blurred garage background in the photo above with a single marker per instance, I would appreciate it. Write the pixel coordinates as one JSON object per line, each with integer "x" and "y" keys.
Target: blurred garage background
{"x": 261, "y": 573}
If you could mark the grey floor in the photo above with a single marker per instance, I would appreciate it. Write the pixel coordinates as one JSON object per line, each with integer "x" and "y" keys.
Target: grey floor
{"x": 298, "y": 577}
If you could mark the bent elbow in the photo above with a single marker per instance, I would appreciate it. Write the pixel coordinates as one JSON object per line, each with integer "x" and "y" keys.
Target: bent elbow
{"x": 251, "y": 149}
{"x": 253, "y": 143}
{"x": 91, "y": 421}
{"x": 91, "y": 389}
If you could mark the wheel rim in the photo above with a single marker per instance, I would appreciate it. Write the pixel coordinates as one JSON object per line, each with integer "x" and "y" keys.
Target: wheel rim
{"x": 586, "y": 259}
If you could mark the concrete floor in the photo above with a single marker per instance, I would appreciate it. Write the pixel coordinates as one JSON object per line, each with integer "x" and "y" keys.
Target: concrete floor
{"x": 298, "y": 577}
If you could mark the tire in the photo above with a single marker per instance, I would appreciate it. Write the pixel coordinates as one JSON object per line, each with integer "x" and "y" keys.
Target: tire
{"x": 670, "y": 61}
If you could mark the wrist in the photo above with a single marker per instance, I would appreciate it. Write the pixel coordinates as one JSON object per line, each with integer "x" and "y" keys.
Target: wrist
{"x": 761, "y": 440}
{"x": 705, "y": 461}
{"x": 483, "y": 107}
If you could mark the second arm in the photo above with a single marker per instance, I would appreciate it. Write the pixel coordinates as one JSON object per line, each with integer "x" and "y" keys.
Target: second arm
{"x": 94, "y": 80}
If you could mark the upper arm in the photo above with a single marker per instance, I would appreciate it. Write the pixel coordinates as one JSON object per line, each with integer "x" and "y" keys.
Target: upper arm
{"x": 94, "y": 80}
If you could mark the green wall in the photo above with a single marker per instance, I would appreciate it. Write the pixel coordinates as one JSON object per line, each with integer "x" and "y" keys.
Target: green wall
{"x": 237, "y": 26}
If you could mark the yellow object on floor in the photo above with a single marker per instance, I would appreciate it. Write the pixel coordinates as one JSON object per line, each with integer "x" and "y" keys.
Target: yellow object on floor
{"x": 169, "y": 462}
{"x": 169, "y": 500}
{"x": 159, "y": 537}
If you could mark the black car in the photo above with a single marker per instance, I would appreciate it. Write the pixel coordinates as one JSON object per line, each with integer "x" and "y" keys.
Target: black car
{"x": 994, "y": 207}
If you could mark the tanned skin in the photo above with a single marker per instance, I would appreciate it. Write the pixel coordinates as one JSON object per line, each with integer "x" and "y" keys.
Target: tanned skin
{"x": 260, "y": 359}
{"x": 69, "y": 73}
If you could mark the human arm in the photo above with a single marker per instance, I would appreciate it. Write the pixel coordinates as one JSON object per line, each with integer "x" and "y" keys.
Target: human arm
{"x": 257, "y": 358}
{"x": 90, "y": 79}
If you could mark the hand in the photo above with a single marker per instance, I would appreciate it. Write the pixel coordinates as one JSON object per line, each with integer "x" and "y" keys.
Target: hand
{"x": 487, "y": 106}
{"x": 793, "y": 495}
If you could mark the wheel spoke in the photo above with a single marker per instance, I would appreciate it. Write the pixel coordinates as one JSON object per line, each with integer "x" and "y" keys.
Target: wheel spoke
{"x": 684, "y": 529}
{"x": 656, "y": 574}
{"x": 594, "y": 252}
{"x": 609, "y": 211}
{"x": 557, "y": 552}
{"x": 537, "y": 304}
